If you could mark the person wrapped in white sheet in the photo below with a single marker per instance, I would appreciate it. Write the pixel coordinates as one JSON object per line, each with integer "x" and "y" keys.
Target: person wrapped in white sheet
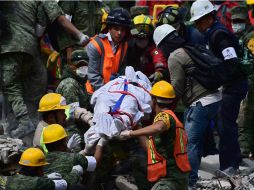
{"x": 119, "y": 105}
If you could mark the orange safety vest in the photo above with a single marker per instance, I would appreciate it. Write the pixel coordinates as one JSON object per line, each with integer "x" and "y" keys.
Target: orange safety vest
{"x": 110, "y": 62}
{"x": 157, "y": 166}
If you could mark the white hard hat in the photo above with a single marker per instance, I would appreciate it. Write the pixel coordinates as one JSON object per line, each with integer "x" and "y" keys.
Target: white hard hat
{"x": 200, "y": 8}
{"x": 161, "y": 32}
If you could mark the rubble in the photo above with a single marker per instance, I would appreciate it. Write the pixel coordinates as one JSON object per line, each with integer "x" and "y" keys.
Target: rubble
{"x": 10, "y": 149}
{"x": 241, "y": 180}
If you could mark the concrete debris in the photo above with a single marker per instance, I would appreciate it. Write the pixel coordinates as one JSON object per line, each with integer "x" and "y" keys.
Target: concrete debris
{"x": 236, "y": 182}
{"x": 10, "y": 149}
{"x": 211, "y": 178}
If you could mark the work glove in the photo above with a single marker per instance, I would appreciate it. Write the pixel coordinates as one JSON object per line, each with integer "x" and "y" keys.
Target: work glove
{"x": 74, "y": 141}
{"x": 102, "y": 142}
{"x": 125, "y": 135}
{"x": 83, "y": 115}
{"x": 155, "y": 77}
{"x": 83, "y": 39}
{"x": 78, "y": 170}
{"x": 54, "y": 175}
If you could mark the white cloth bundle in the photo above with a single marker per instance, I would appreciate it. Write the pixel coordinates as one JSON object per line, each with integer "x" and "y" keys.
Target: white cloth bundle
{"x": 105, "y": 98}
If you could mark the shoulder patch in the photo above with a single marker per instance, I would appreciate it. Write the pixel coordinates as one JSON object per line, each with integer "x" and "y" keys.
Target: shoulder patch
{"x": 162, "y": 116}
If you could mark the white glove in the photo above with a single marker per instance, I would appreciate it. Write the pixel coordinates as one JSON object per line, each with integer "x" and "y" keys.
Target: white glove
{"x": 83, "y": 115}
{"x": 102, "y": 142}
{"x": 54, "y": 175}
{"x": 83, "y": 39}
{"x": 125, "y": 135}
{"x": 78, "y": 169}
{"x": 74, "y": 141}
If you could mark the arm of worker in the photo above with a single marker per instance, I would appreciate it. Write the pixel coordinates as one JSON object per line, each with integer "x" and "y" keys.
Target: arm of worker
{"x": 228, "y": 52}
{"x": 94, "y": 67}
{"x": 155, "y": 128}
{"x": 55, "y": 13}
{"x": 177, "y": 75}
{"x": 51, "y": 184}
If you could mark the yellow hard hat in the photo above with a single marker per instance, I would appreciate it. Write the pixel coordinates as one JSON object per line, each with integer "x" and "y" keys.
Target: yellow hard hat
{"x": 142, "y": 19}
{"x": 163, "y": 89}
{"x": 33, "y": 157}
{"x": 52, "y": 101}
{"x": 142, "y": 26}
{"x": 53, "y": 133}
{"x": 249, "y": 2}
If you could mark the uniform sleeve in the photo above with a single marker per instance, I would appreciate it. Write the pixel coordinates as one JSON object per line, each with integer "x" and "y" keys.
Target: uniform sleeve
{"x": 88, "y": 163}
{"x": 177, "y": 75}
{"x": 69, "y": 91}
{"x": 52, "y": 10}
{"x": 163, "y": 117}
{"x": 45, "y": 183}
{"x": 68, "y": 7}
{"x": 225, "y": 46}
{"x": 94, "y": 67}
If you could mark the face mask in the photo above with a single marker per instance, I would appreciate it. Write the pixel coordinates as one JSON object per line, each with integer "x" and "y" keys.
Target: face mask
{"x": 82, "y": 71}
{"x": 239, "y": 27}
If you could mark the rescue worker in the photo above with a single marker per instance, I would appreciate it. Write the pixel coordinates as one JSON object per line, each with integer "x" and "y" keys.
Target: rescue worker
{"x": 142, "y": 54}
{"x": 201, "y": 104}
{"x": 107, "y": 51}
{"x": 20, "y": 64}
{"x": 53, "y": 108}
{"x": 62, "y": 162}
{"x": 176, "y": 16}
{"x": 31, "y": 175}
{"x": 86, "y": 16}
{"x": 245, "y": 32}
{"x": 166, "y": 169}
{"x": 225, "y": 46}
{"x": 72, "y": 87}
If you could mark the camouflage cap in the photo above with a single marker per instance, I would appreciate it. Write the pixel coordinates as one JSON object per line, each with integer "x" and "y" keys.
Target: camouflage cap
{"x": 239, "y": 12}
{"x": 138, "y": 10}
{"x": 79, "y": 56}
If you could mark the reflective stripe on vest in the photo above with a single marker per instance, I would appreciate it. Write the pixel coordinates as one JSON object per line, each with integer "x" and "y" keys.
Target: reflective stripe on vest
{"x": 180, "y": 145}
{"x": 157, "y": 163}
{"x": 110, "y": 62}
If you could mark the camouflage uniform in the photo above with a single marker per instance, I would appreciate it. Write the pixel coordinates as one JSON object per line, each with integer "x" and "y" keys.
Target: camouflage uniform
{"x": 246, "y": 113}
{"x": 22, "y": 182}
{"x": 72, "y": 87}
{"x": 164, "y": 144}
{"x": 19, "y": 57}
{"x": 62, "y": 162}
{"x": 86, "y": 16}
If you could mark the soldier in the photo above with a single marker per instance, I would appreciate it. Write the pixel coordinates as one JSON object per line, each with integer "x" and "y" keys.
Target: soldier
{"x": 19, "y": 52}
{"x": 31, "y": 177}
{"x": 53, "y": 108}
{"x": 54, "y": 137}
{"x": 72, "y": 87}
{"x": 86, "y": 16}
{"x": 167, "y": 139}
{"x": 245, "y": 32}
